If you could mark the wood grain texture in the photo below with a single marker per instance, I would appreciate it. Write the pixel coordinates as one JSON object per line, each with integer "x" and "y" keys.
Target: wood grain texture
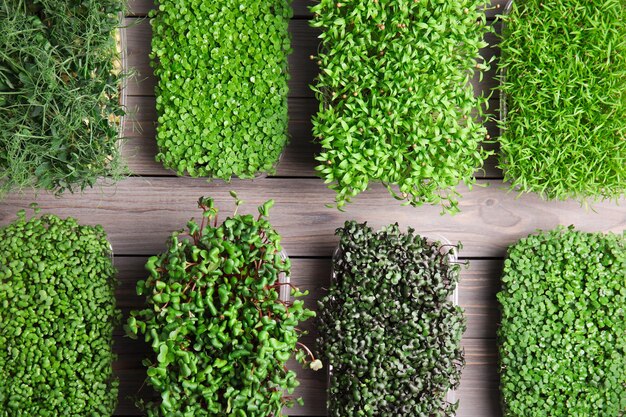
{"x": 300, "y": 7}
{"x": 302, "y": 70}
{"x": 139, "y": 213}
{"x": 140, "y": 148}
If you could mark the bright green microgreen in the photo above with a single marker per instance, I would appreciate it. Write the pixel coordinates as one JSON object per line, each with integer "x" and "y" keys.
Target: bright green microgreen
{"x": 222, "y": 85}
{"x": 60, "y": 77}
{"x": 396, "y": 102}
{"x": 388, "y": 326}
{"x": 220, "y": 332}
{"x": 57, "y": 315}
{"x": 564, "y": 128}
{"x": 563, "y": 332}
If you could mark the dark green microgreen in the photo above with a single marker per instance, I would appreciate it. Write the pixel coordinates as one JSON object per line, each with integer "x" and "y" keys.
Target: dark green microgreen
{"x": 60, "y": 77}
{"x": 388, "y": 327}
{"x": 222, "y": 85}
{"x": 57, "y": 315}
{"x": 564, "y": 128}
{"x": 563, "y": 333}
{"x": 396, "y": 102}
{"x": 220, "y": 333}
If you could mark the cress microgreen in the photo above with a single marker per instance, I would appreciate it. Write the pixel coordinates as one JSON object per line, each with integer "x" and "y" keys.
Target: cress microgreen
{"x": 388, "y": 326}
{"x": 396, "y": 102}
{"x": 220, "y": 332}
{"x": 60, "y": 77}
{"x": 57, "y": 315}
{"x": 564, "y": 131}
{"x": 222, "y": 85}
{"x": 563, "y": 333}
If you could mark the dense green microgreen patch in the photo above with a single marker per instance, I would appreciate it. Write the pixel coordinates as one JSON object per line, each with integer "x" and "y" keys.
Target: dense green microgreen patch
{"x": 60, "y": 77}
{"x": 57, "y": 314}
{"x": 563, "y": 333}
{"x": 222, "y": 85}
{"x": 388, "y": 327}
{"x": 564, "y": 134}
{"x": 396, "y": 103}
{"x": 221, "y": 332}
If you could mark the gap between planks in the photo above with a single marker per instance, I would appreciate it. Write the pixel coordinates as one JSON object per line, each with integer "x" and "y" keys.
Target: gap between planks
{"x": 139, "y": 213}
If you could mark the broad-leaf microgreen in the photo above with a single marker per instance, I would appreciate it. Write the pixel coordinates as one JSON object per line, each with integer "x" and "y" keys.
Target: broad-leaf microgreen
{"x": 396, "y": 102}
{"x": 388, "y": 326}
{"x": 222, "y": 85}
{"x": 563, "y": 333}
{"x": 60, "y": 77}
{"x": 220, "y": 332}
{"x": 564, "y": 131}
{"x": 57, "y": 315}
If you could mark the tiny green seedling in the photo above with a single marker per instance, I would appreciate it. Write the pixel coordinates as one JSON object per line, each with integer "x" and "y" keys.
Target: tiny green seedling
{"x": 396, "y": 102}
{"x": 57, "y": 315}
{"x": 219, "y": 329}
{"x": 563, "y": 333}
{"x": 222, "y": 85}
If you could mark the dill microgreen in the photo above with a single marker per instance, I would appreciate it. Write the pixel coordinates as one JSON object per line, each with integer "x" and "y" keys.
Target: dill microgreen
{"x": 222, "y": 85}
{"x": 396, "y": 102}
{"x": 60, "y": 78}
{"x": 563, "y": 333}
{"x": 564, "y": 86}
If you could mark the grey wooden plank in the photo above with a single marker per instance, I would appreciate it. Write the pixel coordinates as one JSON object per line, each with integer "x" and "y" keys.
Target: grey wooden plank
{"x": 302, "y": 69}
{"x": 299, "y": 158}
{"x": 139, "y": 213}
{"x": 300, "y": 7}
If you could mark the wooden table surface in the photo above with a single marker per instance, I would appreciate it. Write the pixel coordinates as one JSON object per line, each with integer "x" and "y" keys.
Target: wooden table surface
{"x": 141, "y": 211}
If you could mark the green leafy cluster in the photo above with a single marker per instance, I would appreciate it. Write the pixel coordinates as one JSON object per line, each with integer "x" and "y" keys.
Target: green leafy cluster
{"x": 563, "y": 333}
{"x": 222, "y": 85}
{"x": 564, "y": 92}
{"x": 388, "y": 328}
{"x": 396, "y": 103}
{"x": 215, "y": 320}
{"x": 57, "y": 315}
{"x": 60, "y": 77}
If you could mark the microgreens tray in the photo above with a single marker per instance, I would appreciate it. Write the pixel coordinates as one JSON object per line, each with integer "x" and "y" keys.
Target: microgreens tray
{"x": 444, "y": 247}
{"x": 562, "y": 113}
{"x": 451, "y": 396}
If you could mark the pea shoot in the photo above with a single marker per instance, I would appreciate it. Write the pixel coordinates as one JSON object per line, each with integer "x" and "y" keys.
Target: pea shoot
{"x": 60, "y": 80}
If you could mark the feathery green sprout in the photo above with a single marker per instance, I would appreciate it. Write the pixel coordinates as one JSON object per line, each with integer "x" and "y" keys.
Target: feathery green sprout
{"x": 60, "y": 80}
{"x": 564, "y": 128}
